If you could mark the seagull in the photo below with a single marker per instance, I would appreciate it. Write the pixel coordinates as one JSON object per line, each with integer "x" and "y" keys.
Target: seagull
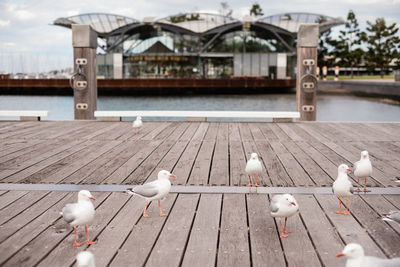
{"x": 363, "y": 168}
{"x": 253, "y": 168}
{"x": 155, "y": 190}
{"x": 342, "y": 187}
{"x": 137, "y": 123}
{"x": 283, "y": 206}
{"x": 80, "y": 213}
{"x": 85, "y": 259}
{"x": 392, "y": 216}
{"x": 356, "y": 258}
{"x": 398, "y": 179}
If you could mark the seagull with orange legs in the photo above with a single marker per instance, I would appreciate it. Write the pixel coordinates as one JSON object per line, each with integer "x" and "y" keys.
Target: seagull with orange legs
{"x": 155, "y": 190}
{"x": 283, "y": 206}
{"x": 138, "y": 123}
{"x": 253, "y": 168}
{"x": 342, "y": 187}
{"x": 363, "y": 168}
{"x": 80, "y": 213}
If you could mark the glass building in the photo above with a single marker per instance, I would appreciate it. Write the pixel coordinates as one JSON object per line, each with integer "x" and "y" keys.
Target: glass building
{"x": 198, "y": 45}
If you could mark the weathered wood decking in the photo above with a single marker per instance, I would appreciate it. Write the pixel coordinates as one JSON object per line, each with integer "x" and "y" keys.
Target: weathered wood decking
{"x": 201, "y": 229}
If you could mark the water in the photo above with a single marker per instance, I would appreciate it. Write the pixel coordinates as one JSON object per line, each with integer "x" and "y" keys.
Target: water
{"x": 329, "y": 107}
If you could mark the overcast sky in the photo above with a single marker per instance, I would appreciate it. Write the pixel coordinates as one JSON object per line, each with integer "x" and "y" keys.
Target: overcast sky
{"x": 28, "y": 41}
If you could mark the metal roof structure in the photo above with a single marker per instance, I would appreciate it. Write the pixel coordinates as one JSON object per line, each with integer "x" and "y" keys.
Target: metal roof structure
{"x": 291, "y": 21}
{"x": 205, "y": 27}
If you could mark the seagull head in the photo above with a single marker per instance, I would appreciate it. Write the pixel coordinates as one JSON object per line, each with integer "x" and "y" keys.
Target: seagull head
{"x": 254, "y": 156}
{"x": 85, "y": 259}
{"x": 85, "y": 195}
{"x": 290, "y": 200}
{"x": 364, "y": 154}
{"x": 352, "y": 251}
{"x": 138, "y": 118}
{"x": 343, "y": 168}
{"x": 165, "y": 175}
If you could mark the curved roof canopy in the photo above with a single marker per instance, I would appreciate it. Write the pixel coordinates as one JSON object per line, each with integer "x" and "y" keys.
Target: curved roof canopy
{"x": 291, "y": 21}
{"x": 197, "y": 22}
{"x": 102, "y": 23}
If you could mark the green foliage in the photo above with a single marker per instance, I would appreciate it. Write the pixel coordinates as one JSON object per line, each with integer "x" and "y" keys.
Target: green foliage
{"x": 325, "y": 45}
{"x": 347, "y": 49}
{"x": 256, "y": 10}
{"x": 383, "y": 44}
{"x": 225, "y": 10}
{"x": 184, "y": 17}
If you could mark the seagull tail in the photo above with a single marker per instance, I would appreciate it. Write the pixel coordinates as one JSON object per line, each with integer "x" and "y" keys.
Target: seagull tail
{"x": 387, "y": 219}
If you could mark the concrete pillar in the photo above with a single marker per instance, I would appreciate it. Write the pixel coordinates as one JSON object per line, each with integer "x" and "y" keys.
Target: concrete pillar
{"x": 281, "y": 66}
{"x": 306, "y": 81}
{"x": 117, "y": 65}
{"x": 84, "y": 42}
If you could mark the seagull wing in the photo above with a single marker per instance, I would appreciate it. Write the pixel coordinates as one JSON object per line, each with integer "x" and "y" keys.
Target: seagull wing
{"x": 68, "y": 212}
{"x": 393, "y": 215}
{"x": 147, "y": 190}
{"x": 274, "y": 207}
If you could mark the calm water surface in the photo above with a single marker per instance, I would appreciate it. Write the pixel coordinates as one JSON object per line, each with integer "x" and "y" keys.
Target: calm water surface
{"x": 329, "y": 107}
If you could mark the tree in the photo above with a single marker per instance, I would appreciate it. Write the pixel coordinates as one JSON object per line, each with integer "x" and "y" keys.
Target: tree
{"x": 325, "y": 46}
{"x": 256, "y": 10}
{"x": 382, "y": 42}
{"x": 346, "y": 50}
{"x": 225, "y": 10}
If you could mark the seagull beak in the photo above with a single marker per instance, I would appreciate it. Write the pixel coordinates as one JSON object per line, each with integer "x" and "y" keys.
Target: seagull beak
{"x": 350, "y": 170}
{"x": 172, "y": 175}
{"x": 294, "y": 204}
{"x": 339, "y": 255}
{"x": 92, "y": 198}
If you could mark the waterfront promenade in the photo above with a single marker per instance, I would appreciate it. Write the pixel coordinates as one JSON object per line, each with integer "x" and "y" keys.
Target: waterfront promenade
{"x": 224, "y": 228}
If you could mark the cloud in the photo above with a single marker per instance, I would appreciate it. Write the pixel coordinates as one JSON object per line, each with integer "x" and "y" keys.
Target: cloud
{"x": 4, "y": 23}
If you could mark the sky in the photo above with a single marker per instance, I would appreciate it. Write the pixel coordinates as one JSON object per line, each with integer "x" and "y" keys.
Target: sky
{"x": 30, "y": 43}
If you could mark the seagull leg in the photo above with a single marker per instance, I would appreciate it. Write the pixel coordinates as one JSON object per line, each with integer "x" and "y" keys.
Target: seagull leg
{"x": 284, "y": 228}
{"x": 347, "y": 208}
{"x": 280, "y": 228}
{"x": 256, "y": 181}
{"x": 358, "y": 185}
{"x": 76, "y": 244}
{"x": 365, "y": 186}
{"x": 250, "y": 184}
{"x": 87, "y": 238}
{"x": 144, "y": 212}
{"x": 161, "y": 213}
{"x": 340, "y": 205}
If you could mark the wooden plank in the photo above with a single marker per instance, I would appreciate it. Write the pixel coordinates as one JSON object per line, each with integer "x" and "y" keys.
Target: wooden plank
{"x": 155, "y": 132}
{"x": 394, "y": 200}
{"x": 20, "y": 206}
{"x": 312, "y": 169}
{"x": 201, "y": 167}
{"x": 289, "y": 131}
{"x": 298, "y": 248}
{"x": 6, "y": 198}
{"x": 203, "y": 128}
{"x": 219, "y": 174}
{"x": 265, "y": 245}
{"x": 58, "y": 171}
{"x": 170, "y": 246}
{"x": 143, "y": 236}
{"x": 202, "y": 245}
{"x": 276, "y": 171}
{"x": 267, "y": 132}
{"x": 386, "y": 237}
{"x": 282, "y": 136}
{"x": 21, "y": 132}
{"x": 9, "y": 146}
{"x": 99, "y": 169}
{"x": 34, "y": 210}
{"x": 293, "y": 168}
{"x": 115, "y": 133}
{"x": 348, "y": 228}
{"x": 233, "y": 249}
{"x": 136, "y": 135}
{"x": 245, "y": 132}
{"x": 237, "y": 157}
{"x": 322, "y": 232}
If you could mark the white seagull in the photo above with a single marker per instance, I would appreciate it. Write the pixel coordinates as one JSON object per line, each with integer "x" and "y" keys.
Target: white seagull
{"x": 392, "y": 216}
{"x": 85, "y": 259}
{"x": 356, "y": 258}
{"x": 137, "y": 123}
{"x": 363, "y": 168}
{"x": 283, "y": 206}
{"x": 80, "y": 213}
{"x": 155, "y": 190}
{"x": 342, "y": 187}
{"x": 253, "y": 168}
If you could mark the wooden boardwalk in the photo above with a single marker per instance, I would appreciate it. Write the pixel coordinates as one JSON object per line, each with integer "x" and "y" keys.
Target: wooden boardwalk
{"x": 201, "y": 229}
